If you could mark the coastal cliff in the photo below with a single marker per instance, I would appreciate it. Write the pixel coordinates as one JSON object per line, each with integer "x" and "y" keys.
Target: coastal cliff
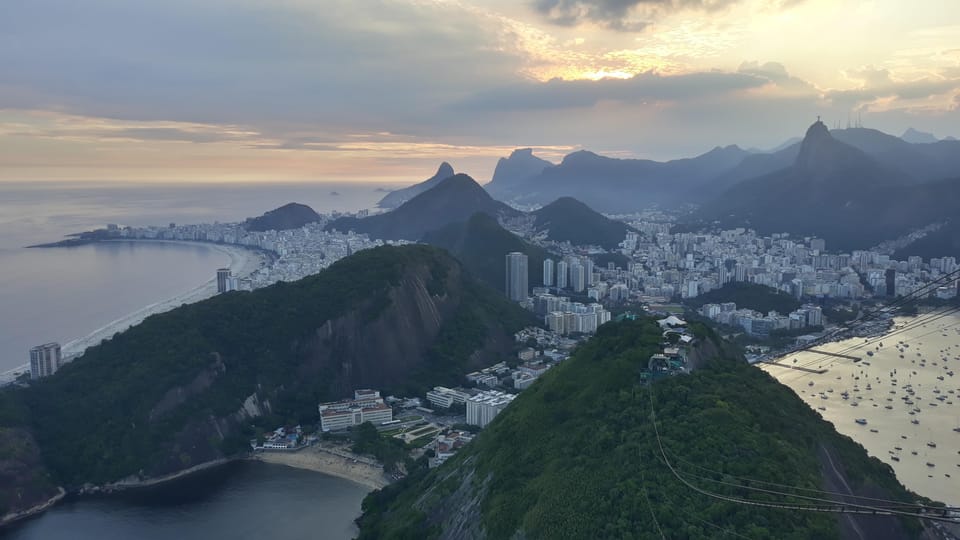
{"x": 191, "y": 386}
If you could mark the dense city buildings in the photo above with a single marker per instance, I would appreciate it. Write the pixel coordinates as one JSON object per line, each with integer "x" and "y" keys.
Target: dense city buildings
{"x": 516, "y": 285}
{"x": 45, "y": 360}
{"x": 366, "y": 406}
{"x": 295, "y": 253}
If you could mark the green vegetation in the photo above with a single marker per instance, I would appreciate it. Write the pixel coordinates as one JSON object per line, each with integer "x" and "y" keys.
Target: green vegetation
{"x": 481, "y": 245}
{"x": 576, "y": 455}
{"x": 748, "y": 295}
{"x": 618, "y": 259}
{"x": 387, "y": 450}
{"x": 569, "y": 220}
{"x": 156, "y": 398}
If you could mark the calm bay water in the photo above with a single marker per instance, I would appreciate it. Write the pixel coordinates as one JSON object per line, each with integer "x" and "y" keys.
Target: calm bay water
{"x": 242, "y": 501}
{"x": 66, "y": 293}
{"x": 922, "y": 365}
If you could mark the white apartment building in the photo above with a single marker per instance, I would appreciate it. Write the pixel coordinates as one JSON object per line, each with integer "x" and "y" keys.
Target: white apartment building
{"x": 485, "y": 406}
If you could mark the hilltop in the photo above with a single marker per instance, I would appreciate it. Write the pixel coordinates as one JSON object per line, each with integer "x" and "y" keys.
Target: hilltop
{"x": 481, "y": 244}
{"x": 452, "y": 200}
{"x": 397, "y": 197}
{"x": 748, "y": 295}
{"x": 288, "y": 216}
{"x": 835, "y": 191}
{"x": 569, "y": 220}
{"x": 188, "y": 386}
{"x": 577, "y": 456}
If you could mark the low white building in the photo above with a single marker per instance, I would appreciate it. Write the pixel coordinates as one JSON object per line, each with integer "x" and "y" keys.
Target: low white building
{"x": 366, "y": 406}
{"x": 444, "y": 397}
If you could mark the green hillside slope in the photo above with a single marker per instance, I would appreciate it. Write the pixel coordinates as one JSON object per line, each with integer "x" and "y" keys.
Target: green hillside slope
{"x": 577, "y": 456}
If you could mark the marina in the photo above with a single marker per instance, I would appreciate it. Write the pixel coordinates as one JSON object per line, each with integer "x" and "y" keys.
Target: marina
{"x": 903, "y": 405}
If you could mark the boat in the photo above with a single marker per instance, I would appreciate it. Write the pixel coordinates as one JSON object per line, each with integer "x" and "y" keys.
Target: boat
{"x": 810, "y": 383}
{"x": 895, "y": 458}
{"x": 873, "y": 430}
{"x": 957, "y": 429}
{"x": 861, "y": 421}
{"x": 914, "y": 421}
{"x": 869, "y": 353}
{"x": 930, "y": 464}
{"x": 932, "y": 444}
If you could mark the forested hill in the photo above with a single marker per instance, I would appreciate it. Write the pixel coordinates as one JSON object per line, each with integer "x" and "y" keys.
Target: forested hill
{"x": 577, "y": 456}
{"x": 569, "y": 220}
{"x": 481, "y": 244}
{"x": 748, "y": 295}
{"x": 288, "y": 216}
{"x": 185, "y": 386}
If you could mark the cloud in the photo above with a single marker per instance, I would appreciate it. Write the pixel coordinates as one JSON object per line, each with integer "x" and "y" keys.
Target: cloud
{"x": 880, "y": 83}
{"x": 645, "y": 87}
{"x": 629, "y": 15}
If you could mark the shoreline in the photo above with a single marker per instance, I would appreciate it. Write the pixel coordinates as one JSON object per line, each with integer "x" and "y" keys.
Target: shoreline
{"x": 14, "y": 517}
{"x": 243, "y": 262}
{"x": 128, "y": 485}
{"x": 317, "y": 459}
{"x": 309, "y": 458}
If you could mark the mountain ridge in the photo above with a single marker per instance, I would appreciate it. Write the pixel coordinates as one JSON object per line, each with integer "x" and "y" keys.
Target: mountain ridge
{"x": 451, "y": 200}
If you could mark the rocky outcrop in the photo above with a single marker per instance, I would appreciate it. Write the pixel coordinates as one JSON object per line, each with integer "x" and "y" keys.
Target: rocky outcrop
{"x": 25, "y": 485}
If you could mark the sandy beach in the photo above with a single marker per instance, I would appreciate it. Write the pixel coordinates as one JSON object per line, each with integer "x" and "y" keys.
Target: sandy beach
{"x": 901, "y": 402}
{"x": 316, "y": 459}
{"x": 243, "y": 262}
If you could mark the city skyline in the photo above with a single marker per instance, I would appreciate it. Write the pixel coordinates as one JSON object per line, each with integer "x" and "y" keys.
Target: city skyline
{"x": 298, "y": 90}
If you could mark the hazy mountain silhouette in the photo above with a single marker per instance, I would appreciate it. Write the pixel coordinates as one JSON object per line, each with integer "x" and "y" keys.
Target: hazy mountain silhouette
{"x": 400, "y": 196}
{"x": 512, "y": 172}
{"x": 619, "y": 185}
{"x": 831, "y": 190}
{"x": 918, "y": 137}
{"x": 452, "y": 200}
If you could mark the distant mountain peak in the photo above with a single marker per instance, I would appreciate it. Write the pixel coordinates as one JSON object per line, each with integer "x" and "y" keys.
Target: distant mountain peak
{"x": 444, "y": 171}
{"x": 914, "y": 136}
{"x": 817, "y": 148}
{"x": 400, "y": 196}
{"x": 522, "y": 152}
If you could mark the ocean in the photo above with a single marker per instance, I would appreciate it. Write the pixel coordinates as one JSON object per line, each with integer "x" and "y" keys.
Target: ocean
{"x": 63, "y": 294}
{"x": 241, "y": 501}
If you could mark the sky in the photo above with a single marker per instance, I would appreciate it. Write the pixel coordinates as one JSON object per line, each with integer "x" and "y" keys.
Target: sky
{"x": 384, "y": 90}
